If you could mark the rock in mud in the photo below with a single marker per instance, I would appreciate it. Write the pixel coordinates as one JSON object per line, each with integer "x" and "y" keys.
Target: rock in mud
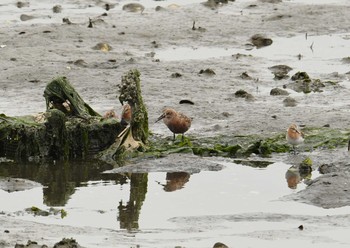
{"x": 259, "y": 41}
{"x": 102, "y": 47}
{"x": 30, "y": 244}
{"x": 290, "y": 102}
{"x": 22, "y": 4}
{"x": 207, "y": 71}
{"x": 327, "y": 191}
{"x": 280, "y": 71}
{"x": 244, "y": 94}
{"x": 133, "y": 7}
{"x": 220, "y": 245}
{"x": 25, "y": 17}
{"x": 300, "y": 76}
{"x": 17, "y": 184}
{"x": 278, "y": 92}
{"x": 303, "y": 83}
{"x": 67, "y": 243}
{"x": 57, "y": 9}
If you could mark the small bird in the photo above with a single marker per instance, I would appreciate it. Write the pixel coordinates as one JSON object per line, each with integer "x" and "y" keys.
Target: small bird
{"x": 294, "y": 136}
{"x": 126, "y": 115}
{"x": 177, "y": 122}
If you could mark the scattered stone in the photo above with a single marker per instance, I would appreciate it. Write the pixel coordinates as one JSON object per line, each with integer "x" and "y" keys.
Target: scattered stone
{"x": 259, "y": 41}
{"x": 289, "y": 102}
{"x": 277, "y": 17}
{"x": 244, "y": 94}
{"x": 66, "y": 20}
{"x": 346, "y": 60}
{"x": 280, "y": 71}
{"x": 17, "y": 184}
{"x": 249, "y": 97}
{"x": 301, "y": 227}
{"x": 278, "y": 92}
{"x": 57, "y": 9}
{"x": 214, "y": 4}
{"x": 150, "y": 54}
{"x": 300, "y": 76}
{"x": 199, "y": 28}
{"x": 25, "y": 17}
{"x": 225, "y": 114}
{"x": 155, "y": 44}
{"x": 220, "y": 245}
{"x": 67, "y": 243}
{"x": 241, "y": 93}
{"x": 239, "y": 55}
{"x": 80, "y": 63}
{"x": 186, "y": 102}
{"x": 105, "y": 47}
{"x": 245, "y": 75}
{"x": 22, "y": 4}
{"x": 176, "y": 75}
{"x": 30, "y": 244}
{"x": 160, "y": 8}
{"x": 207, "y": 71}
{"x": 133, "y": 7}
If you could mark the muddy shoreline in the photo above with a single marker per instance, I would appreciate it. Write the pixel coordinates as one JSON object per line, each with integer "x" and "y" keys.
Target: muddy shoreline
{"x": 35, "y": 51}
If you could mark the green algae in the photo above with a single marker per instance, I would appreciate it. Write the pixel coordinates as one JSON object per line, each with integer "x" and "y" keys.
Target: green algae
{"x": 243, "y": 146}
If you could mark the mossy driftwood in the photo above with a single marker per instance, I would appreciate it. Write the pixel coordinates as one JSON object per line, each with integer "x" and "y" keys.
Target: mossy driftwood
{"x": 70, "y": 128}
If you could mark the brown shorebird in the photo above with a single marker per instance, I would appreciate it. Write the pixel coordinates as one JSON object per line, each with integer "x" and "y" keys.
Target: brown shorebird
{"x": 177, "y": 122}
{"x": 126, "y": 115}
{"x": 294, "y": 136}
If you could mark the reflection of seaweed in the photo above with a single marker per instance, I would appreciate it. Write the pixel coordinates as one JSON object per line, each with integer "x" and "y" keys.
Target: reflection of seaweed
{"x": 129, "y": 213}
{"x": 60, "y": 178}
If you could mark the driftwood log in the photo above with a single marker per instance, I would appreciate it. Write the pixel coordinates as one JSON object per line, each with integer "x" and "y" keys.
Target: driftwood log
{"x": 71, "y": 129}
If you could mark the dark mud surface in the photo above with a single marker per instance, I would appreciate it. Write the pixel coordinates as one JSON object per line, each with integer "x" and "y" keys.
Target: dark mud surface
{"x": 171, "y": 51}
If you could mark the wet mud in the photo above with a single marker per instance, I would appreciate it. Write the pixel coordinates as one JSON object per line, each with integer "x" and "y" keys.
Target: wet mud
{"x": 204, "y": 54}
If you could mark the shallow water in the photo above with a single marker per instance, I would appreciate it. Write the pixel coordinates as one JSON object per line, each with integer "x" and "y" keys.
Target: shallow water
{"x": 145, "y": 203}
{"x": 318, "y": 53}
{"x": 233, "y": 190}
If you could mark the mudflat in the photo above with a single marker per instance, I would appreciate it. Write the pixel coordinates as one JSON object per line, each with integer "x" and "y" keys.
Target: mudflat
{"x": 201, "y": 53}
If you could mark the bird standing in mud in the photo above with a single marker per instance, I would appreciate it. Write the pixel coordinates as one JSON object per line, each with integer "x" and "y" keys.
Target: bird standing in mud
{"x": 294, "y": 136}
{"x": 177, "y": 122}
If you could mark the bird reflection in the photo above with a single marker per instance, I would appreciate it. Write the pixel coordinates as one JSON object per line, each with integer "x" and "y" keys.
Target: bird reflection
{"x": 295, "y": 175}
{"x": 176, "y": 181}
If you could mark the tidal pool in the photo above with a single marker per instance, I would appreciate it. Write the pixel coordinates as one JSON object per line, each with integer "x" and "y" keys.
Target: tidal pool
{"x": 142, "y": 204}
{"x": 306, "y": 52}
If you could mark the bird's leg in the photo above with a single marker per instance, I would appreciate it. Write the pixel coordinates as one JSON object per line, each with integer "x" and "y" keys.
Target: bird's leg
{"x": 294, "y": 149}
{"x": 173, "y": 136}
{"x": 183, "y": 138}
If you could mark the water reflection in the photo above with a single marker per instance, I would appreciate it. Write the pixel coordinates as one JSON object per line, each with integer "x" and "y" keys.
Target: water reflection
{"x": 62, "y": 178}
{"x": 296, "y": 175}
{"x": 129, "y": 213}
{"x": 176, "y": 181}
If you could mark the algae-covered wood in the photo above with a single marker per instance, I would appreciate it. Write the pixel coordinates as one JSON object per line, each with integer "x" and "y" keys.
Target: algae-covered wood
{"x": 70, "y": 128}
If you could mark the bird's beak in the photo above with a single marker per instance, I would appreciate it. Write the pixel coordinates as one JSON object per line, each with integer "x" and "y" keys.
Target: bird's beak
{"x": 160, "y": 117}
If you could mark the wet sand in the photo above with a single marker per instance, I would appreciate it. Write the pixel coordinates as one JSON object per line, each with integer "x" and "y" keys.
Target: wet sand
{"x": 35, "y": 51}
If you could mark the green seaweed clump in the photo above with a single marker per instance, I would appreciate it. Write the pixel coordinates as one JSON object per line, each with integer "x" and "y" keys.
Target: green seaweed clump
{"x": 134, "y": 137}
{"x": 61, "y": 95}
